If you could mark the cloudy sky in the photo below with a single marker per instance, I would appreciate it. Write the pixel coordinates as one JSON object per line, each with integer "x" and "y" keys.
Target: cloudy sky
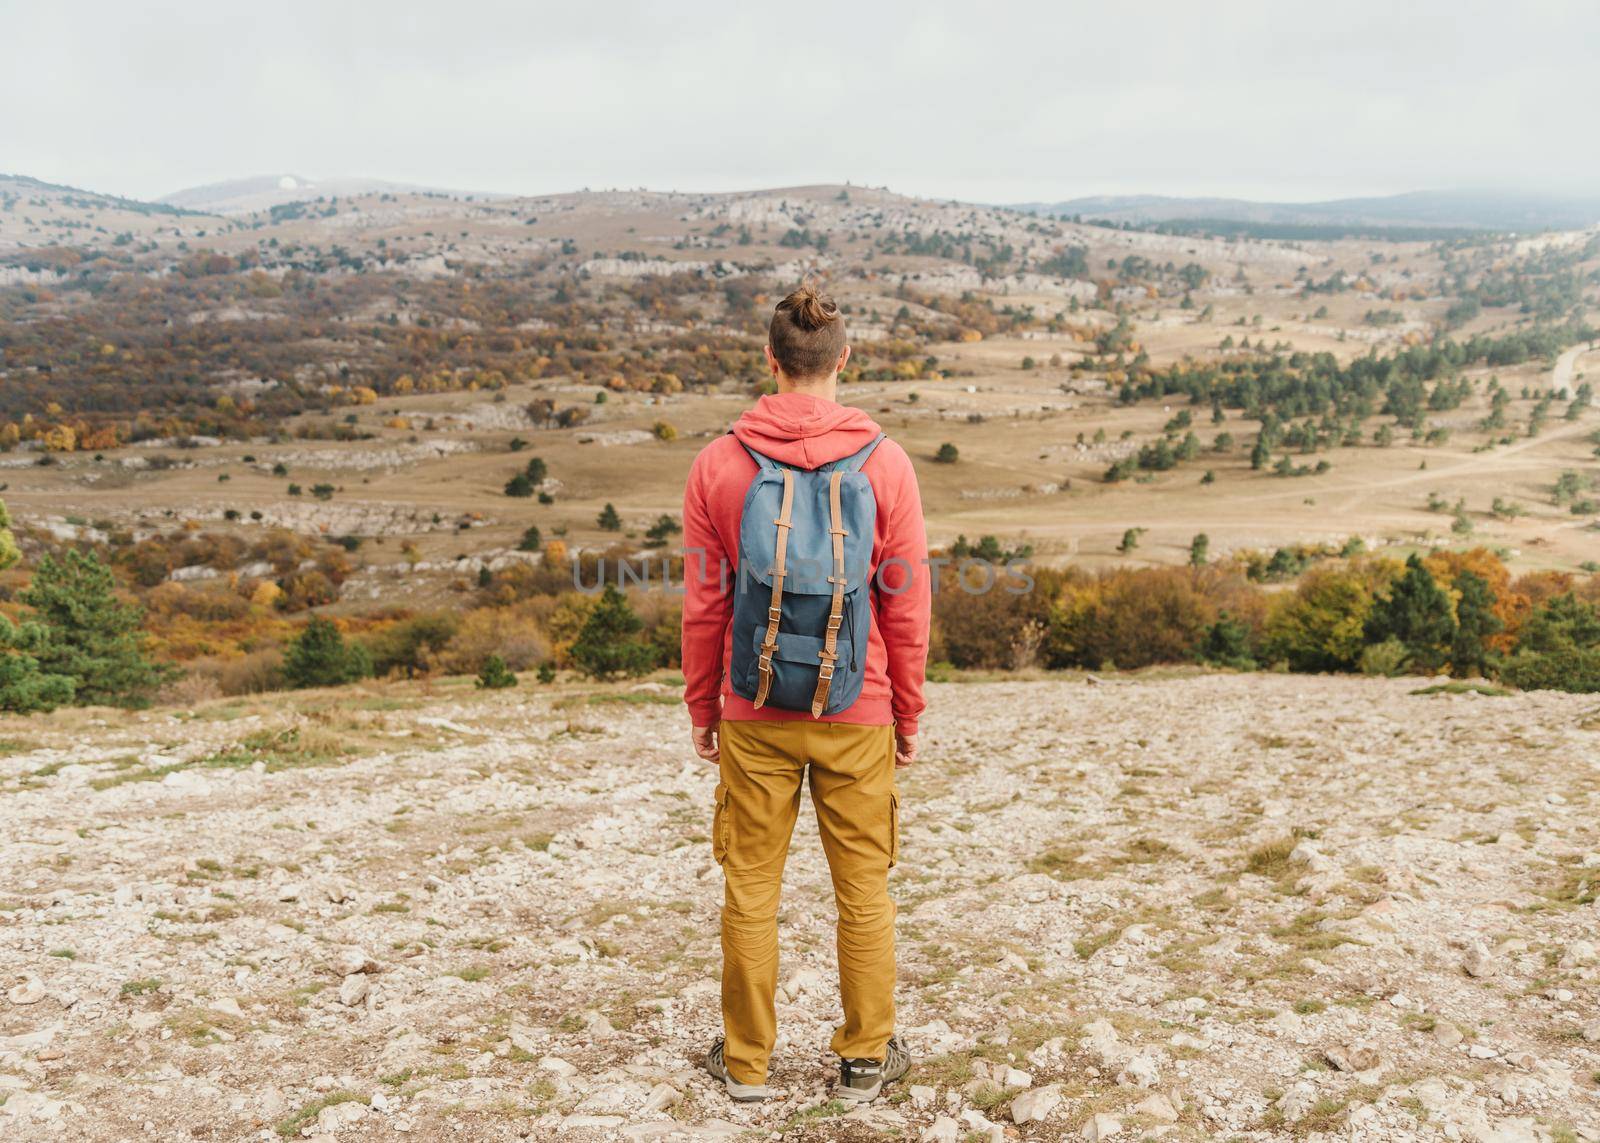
{"x": 995, "y": 102}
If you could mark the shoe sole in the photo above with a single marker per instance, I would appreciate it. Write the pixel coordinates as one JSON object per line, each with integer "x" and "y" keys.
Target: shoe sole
{"x": 859, "y": 1094}
{"x": 746, "y": 1092}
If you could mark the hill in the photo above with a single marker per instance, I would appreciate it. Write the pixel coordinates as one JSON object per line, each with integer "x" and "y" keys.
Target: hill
{"x": 262, "y": 192}
{"x": 1466, "y": 210}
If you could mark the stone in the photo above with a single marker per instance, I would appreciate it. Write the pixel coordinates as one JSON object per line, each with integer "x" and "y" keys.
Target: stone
{"x": 227, "y": 1006}
{"x": 290, "y": 891}
{"x": 353, "y": 990}
{"x": 523, "y": 1038}
{"x": 340, "y": 1115}
{"x": 1447, "y": 1034}
{"x": 1578, "y": 954}
{"x": 1591, "y": 1031}
{"x": 1015, "y": 1077}
{"x": 1140, "y": 1070}
{"x": 661, "y": 1097}
{"x": 1101, "y": 1126}
{"x": 353, "y": 959}
{"x": 557, "y": 1066}
{"x": 30, "y": 991}
{"x": 1354, "y": 1058}
{"x": 1295, "y": 1102}
{"x": 941, "y": 1130}
{"x": 1036, "y": 1104}
{"x": 1479, "y": 961}
{"x": 1157, "y": 1107}
{"x": 922, "y": 1096}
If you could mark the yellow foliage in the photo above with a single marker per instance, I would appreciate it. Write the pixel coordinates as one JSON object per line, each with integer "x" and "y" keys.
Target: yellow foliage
{"x": 266, "y": 594}
{"x": 971, "y": 335}
{"x": 59, "y": 438}
{"x": 363, "y": 395}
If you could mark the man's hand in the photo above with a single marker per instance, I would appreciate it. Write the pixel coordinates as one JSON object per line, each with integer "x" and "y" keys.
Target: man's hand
{"x": 905, "y": 751}
{"x": 705, "y": 743}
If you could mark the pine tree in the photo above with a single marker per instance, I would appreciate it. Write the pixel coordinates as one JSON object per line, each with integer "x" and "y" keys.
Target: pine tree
{"x": 519, "y": 485}
{"x": 532, "y": 539}
{"x": 947, "y": 454}
{"x": 84, "y": 632}
{"x": 495, "y": 675}
{"x": 1199, "y": 549}
{"x": 609, "y": 644}
{"x": 1418, "y": 614}
{"x": 1475, "y": 623}
{"x": 547, "y": 672}
{"x": 320, "y": 657}
{"x": 1227, "y": 644}
{"x": 608, "y": 519}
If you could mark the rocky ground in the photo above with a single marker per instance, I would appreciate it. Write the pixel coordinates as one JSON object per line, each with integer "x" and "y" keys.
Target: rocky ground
{"x": 1188, "y": 907}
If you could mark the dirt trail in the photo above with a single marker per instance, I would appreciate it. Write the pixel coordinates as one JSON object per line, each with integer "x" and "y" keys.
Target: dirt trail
{"x": 1197, "y": 907}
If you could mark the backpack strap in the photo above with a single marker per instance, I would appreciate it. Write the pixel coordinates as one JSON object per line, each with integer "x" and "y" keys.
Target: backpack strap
{"x": 829, "y": 654}
{"x": 769, "y": 645}
{"x": 855, "y": 460}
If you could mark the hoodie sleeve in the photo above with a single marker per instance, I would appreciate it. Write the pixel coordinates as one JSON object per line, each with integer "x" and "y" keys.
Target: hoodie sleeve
{"x": 707, "y": 604}
{"x": 904, "y": 595}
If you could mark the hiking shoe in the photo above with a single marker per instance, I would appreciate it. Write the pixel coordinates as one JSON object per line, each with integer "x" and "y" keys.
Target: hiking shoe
{"x": 742, "y": 1092}
{"x": 863, "y": 1080}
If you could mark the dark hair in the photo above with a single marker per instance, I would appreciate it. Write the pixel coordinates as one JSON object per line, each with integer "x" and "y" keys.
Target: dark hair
{"x": 806, "y": 334}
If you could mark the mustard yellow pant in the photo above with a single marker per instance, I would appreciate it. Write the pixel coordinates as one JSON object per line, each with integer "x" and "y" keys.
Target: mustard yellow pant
{"x": 851, "y": 771}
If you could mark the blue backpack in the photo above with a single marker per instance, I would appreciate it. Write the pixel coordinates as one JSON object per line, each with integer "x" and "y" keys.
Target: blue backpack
{"x": 800, "y": 609}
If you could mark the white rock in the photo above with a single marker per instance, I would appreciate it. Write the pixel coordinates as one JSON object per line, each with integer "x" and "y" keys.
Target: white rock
{"x": 1447, "y": 1034}
{"x": 1578, "y": 954}
{"x": 340, "y": 1115}
{"x": 353, "y": 990}
{"x": 1478, "y": 962}
{"x": 1157, "y": 1107}
{"x": 353, "y": 959}
{"x": 661, "y": 1097}
{"x": 1140, "y": 1070}
{"x": 1591, "y": 1032}
{"x": 1015, "y": 1077}
{"x": 1101, "y": 1126}
{"x": 1036, "y": 1104}
{"x": 228, "y": 1006}
{"x": 922, "y": 1096}
{"x": 30, "y": 991}
{"x": 1295, "y": 1102}
{"x": 942, "y": 1130}
{"x": 558, "y": 1066}
{"x": 290, "y": 891}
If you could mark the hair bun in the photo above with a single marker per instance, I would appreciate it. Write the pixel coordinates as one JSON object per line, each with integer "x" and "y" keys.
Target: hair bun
{"x": 810, "y": 310}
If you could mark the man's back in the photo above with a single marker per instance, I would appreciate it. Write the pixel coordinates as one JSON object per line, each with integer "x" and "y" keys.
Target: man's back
{"x": 805, "y": 431}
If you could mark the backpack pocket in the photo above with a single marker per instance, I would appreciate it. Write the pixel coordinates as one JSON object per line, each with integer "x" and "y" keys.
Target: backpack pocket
{"x": 796, "y": 666}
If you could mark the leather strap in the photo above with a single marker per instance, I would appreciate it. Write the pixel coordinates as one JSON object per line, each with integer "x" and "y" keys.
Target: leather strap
{"x": 829, "y": 654}
{"x": 775, "y": 608}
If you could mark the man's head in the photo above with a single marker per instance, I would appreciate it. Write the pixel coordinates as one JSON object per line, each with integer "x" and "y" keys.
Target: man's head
{"x": 805, "y": 342}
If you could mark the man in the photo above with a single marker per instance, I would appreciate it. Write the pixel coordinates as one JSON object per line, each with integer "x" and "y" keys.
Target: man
{"x": 763, "y": 750}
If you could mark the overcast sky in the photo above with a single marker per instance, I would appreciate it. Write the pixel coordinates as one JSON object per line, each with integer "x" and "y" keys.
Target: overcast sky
{"x": 990, "y": 102}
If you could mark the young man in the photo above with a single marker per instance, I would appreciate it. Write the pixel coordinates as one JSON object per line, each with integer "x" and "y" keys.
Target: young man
{"x": 763, "y": 750}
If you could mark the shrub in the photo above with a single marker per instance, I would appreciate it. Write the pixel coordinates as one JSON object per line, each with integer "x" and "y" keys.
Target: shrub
{"x": 1134, "y": 619}
{"x": 609, "y": 644}
{"x": 495, "y": 674}
{"x": 1318, "y": 626}
{"x": 1389, "y": 658}
{"x": 947, "y": 454}
{"x": 320, "y": 657}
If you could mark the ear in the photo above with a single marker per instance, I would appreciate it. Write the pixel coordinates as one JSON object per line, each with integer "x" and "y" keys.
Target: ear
{"x": 772, "y": 362}
{"x": 844, "y": 359}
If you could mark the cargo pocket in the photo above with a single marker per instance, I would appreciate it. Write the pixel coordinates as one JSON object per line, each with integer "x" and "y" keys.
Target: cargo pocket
{"x": 894, "y": 828}
{"x": 719, "y": 826}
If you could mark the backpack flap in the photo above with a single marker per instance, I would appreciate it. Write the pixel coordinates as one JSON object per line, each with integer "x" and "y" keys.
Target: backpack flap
{"x": 808, "y": 560}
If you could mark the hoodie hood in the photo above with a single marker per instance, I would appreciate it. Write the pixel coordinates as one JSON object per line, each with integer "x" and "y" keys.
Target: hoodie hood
{"x": 804, "y": 430}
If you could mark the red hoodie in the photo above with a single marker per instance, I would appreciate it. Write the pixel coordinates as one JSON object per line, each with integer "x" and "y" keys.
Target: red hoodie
{"x": 806, "y": 431}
